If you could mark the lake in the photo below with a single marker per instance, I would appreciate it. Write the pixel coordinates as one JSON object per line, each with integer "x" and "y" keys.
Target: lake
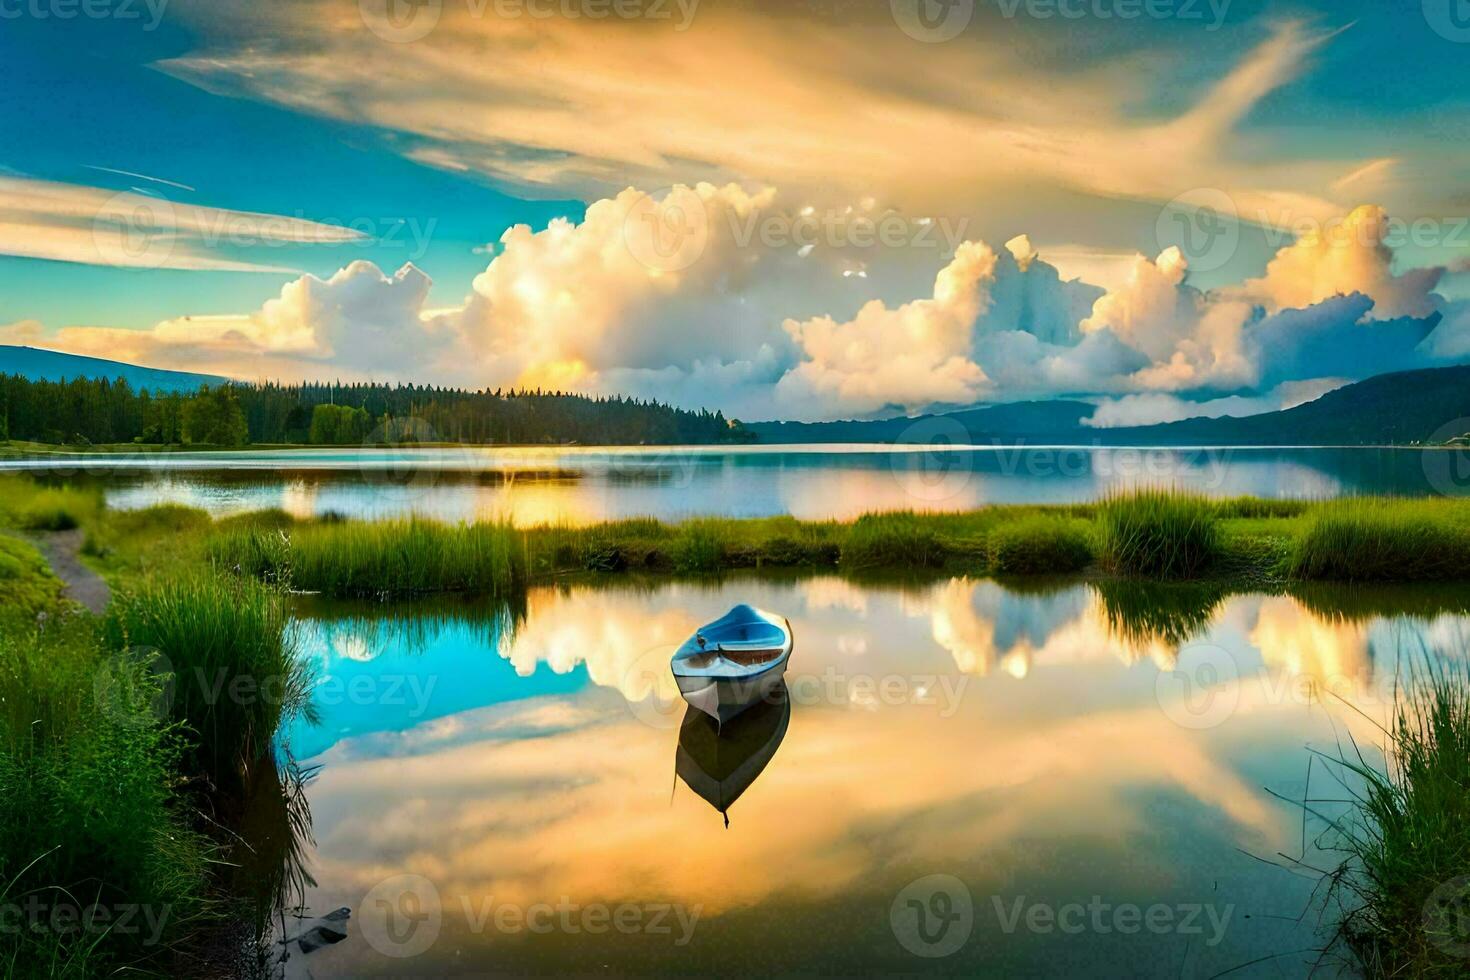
{"x": 585, "y": 485}
{"x": 963, "y": 778}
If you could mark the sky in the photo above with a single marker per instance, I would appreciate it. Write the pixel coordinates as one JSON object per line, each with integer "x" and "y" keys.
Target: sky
{"x": 830, "y": 209}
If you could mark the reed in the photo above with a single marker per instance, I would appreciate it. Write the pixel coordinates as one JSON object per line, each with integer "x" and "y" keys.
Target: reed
{"x": 1037, "y": 545}
{"x": 898, "y": 540}
{"x": 88, "y": 808}
{"x": 227, "y": 647}
{"x": 1384, "y": 539}
{"x": 1158, "y": 533}
{"x": 1405, "y": 881}
{"x": 384, "y": 559}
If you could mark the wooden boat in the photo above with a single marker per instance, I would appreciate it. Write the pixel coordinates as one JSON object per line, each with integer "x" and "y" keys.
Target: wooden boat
{"x": 734, "y": 662}
{"x": 719, "y": 762}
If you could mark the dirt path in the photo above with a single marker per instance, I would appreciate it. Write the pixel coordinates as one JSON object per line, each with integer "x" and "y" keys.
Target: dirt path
{"x": 63, "y": 550}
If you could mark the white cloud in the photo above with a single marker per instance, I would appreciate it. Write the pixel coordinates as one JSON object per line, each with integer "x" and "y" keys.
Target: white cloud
{"x": 1345, "y": 256}
{"x": 91, "y": 225}
{"x": 895, "y": 358}
{"x": 1152, "y": 408}
{"x": 358, "y": 323}
{"x": 725, "y": 313}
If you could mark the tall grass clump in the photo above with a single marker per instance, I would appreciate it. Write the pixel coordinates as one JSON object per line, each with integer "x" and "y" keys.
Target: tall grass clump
{"x": 380, "y": 559}
{"x": 701, "y": 546}
{"x": 1158, "y": 533}
{"x": 88, "y": 809}
{"x": 228, "y": 648}
{"x": 897, "y": 540}
{"x": 1380, "y": 539}
{"x": 1406, "y": 880}
{"x": 1037, "y": 544}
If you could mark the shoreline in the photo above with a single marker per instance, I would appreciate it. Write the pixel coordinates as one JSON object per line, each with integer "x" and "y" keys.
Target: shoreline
{"x": 32, "y": 451}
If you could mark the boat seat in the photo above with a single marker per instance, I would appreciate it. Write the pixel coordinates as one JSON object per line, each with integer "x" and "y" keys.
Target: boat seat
{"x": 761, "y": 643}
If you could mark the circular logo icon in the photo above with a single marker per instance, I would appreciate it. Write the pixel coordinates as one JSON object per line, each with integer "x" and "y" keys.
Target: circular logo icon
{"x": 1447, "y": 463}
{"x": 135, "y": 687}
{"x": 932, "y": 21}
{"x": 649, "y": 688}
{"x": 402, "y": 460}
{"x": 1447, "y": 917}
{"x": 1202, "y": 690}
{"x": 401, "y": 916}
{"x": 400, "y": 21}
{"x": 1450, "y": 19}
{"x": 1204, "y": 224}
{"x": 932, "y": 916}
{"x": 939, "y": 471}
{"x": 134, "y": 230}
{"x": 667, "y": 234}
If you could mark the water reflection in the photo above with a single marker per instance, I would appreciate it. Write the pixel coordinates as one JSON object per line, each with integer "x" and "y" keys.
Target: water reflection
{"x": 720, "y": 762}
{"x": 1028, "y": 743}
{"x": 581, "y": 485}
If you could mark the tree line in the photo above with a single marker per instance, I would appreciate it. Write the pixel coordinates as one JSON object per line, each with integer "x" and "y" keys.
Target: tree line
{"x": 85, "y": 411}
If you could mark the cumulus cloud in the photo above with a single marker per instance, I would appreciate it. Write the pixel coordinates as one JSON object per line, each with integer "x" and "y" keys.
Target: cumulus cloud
{"x": 642, "y": 284}
{"x": 702, "y": 296}
{"x": 1345, "y": 256}
{"x": 906, "y": 357}
{"x": 358, "y": 323}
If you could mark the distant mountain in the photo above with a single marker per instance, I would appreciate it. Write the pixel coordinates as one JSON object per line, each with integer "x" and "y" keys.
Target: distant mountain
{"x": 1031, "y": 421}
{"x": 49, "y": 365}
{"x": 1389, "y": 409}
{"x": 1398, "y": 409}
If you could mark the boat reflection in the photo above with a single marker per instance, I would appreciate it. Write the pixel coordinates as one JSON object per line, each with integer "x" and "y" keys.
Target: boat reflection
{"x": 720, "y": 763}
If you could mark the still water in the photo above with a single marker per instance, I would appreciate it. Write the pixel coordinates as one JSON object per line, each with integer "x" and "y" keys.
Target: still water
{"x": 963, "y": 778}
{"x": 583, "y": 485}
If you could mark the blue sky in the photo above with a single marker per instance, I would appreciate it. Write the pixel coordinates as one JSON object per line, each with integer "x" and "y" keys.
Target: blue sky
{"x": 1082, "y": 132}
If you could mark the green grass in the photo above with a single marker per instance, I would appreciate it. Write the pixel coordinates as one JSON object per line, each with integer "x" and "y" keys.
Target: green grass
{"x": 88, "y": 809}
{"x": 228, "y": 645}
{"x": 1380, "y": 539}
{"x": 27, "y": 586}
{"x": 898, "y": 540}
{"x": 1407, "y": 836}
{"x": 1163, "y": 534}
{"x": 1156, "y": 535}
{"x": 388, "y": 558}
{"x": 128, "y": 547}
{"x": 1038, "y": 545}
{"x": 31, "y": 506}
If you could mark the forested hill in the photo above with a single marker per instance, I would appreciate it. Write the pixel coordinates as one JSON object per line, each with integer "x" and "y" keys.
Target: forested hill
{"x": 90, "y": 411}
{"x": 1403, "y": 408}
